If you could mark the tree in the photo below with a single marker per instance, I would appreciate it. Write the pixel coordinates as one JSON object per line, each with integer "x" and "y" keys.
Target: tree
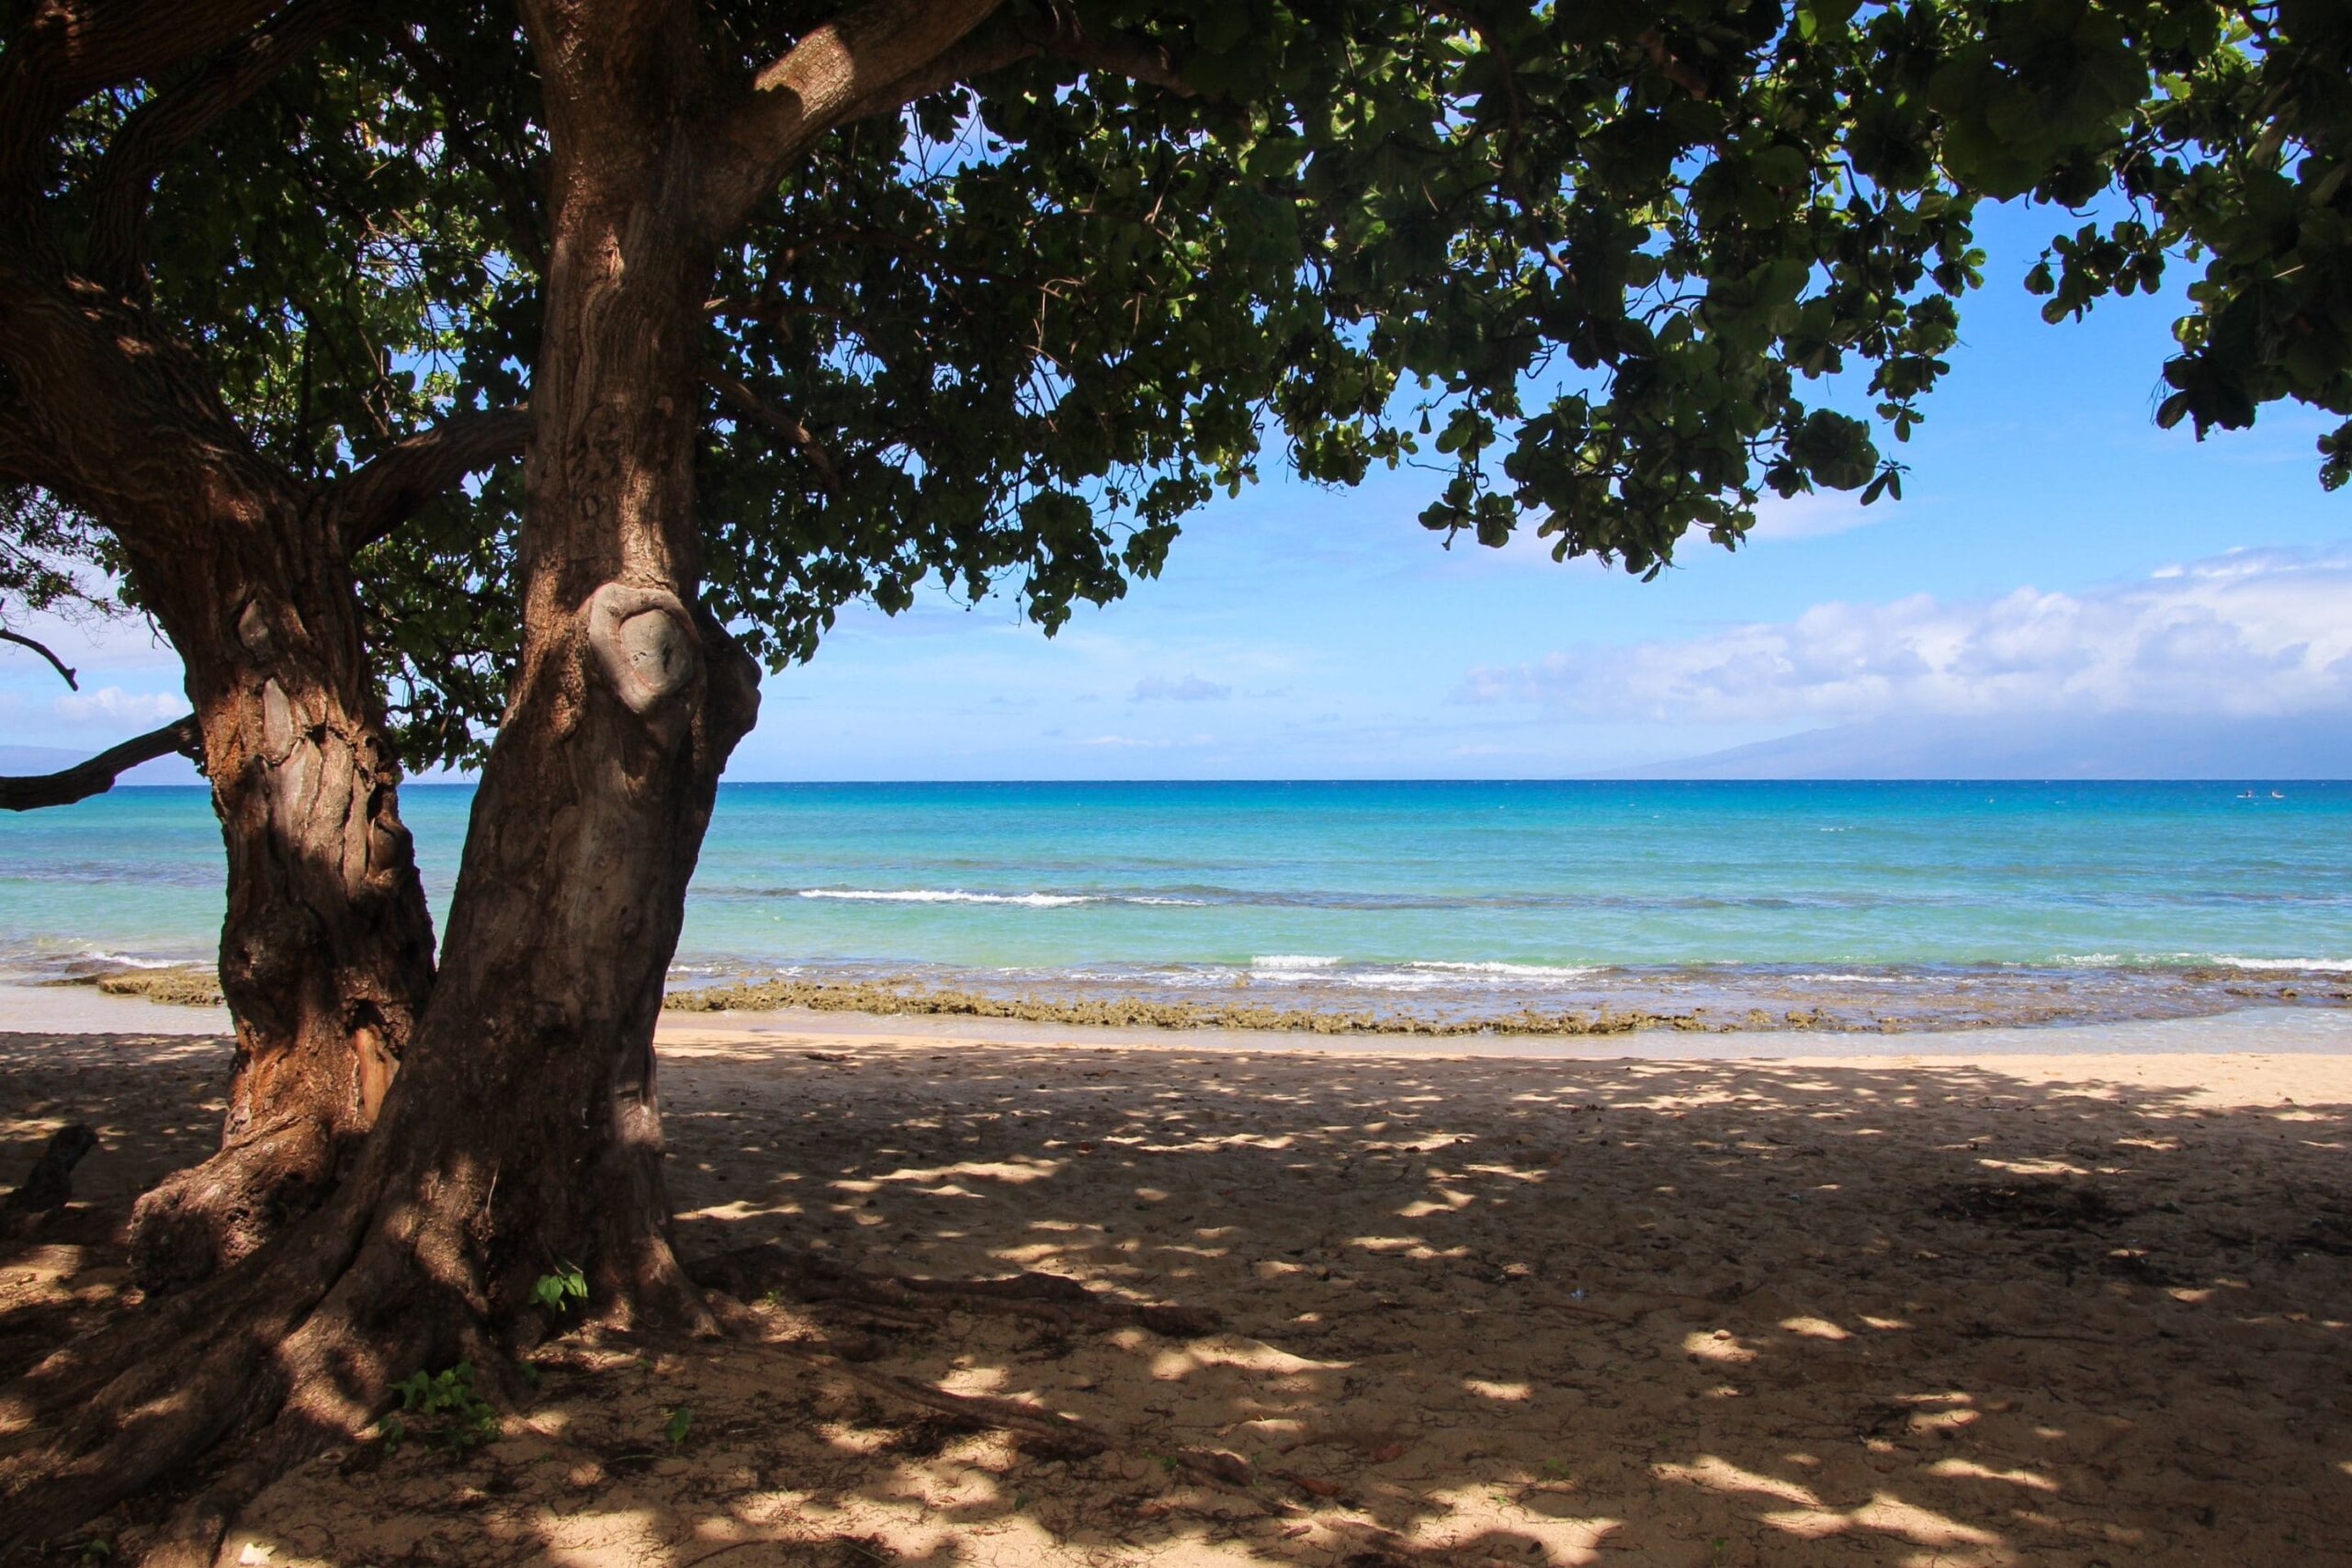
{"x": 826, "y": 302}
{"x": 224, "y": 483}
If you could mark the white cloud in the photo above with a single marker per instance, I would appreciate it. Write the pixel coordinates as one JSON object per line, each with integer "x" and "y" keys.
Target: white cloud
{"x": 1190, "y": 689}
{"x": 113, "y": 706}
{"x": 2259, "y": 632}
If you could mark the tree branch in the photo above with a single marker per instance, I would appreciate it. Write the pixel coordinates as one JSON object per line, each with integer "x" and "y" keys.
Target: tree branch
{"x": 820, "y": 83}
{"x": 43, "y": 650}
{"x": 1008, "y": 40}
{"x": 783, "y": 423}
{"x": 64, "y": 51}
{"x": 97, "y": 776}
{"x": 176, "y": 115}
{"x": 380, "y": 495}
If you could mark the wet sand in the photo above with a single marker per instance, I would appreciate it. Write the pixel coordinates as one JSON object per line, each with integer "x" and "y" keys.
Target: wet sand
{"x": 1957, "y": 1301}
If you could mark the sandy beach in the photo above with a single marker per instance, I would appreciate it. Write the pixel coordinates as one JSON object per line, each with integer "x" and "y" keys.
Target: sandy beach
{"x": 1969, "y": 1304}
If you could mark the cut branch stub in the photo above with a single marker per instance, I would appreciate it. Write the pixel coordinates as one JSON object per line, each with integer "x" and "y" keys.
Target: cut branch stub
{"x": 644, "y": 643}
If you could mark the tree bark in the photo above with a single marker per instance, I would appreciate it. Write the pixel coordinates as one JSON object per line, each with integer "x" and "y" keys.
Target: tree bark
{"x": 326, "y": 947}
{"x": 522, "y": 1130}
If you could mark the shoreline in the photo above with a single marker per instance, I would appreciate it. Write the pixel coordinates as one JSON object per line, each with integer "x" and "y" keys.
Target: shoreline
{"x": 2308, "y": 1029}
{"x": 1719, "y": 999}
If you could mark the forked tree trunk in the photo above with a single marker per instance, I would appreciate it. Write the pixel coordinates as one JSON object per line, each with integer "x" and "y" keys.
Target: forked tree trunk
{"x": 327, "y": 949}
{"x": 524, "y": 1127}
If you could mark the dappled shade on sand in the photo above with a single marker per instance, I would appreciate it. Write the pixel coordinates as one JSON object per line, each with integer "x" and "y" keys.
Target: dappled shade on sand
{"x": 2038, "y": 1310}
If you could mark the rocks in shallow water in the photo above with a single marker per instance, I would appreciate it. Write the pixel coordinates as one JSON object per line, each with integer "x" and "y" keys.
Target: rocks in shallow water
{"x": 1124, "y": 1012}
{"x": 187, "y": 986}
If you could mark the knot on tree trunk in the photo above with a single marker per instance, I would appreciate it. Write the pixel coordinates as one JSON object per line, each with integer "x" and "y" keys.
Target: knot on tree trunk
{"x": 644, "y": 644}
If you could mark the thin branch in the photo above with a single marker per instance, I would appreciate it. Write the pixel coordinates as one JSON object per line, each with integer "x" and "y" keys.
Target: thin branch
{"x": 1113, "y": 53}
{"x": 171, "y": 119}
{"x": 380, "y": 495}
{"x": 97, "y": 776}
{"x": 783, "y": 423}
{"x": 43, "y": 650}
{"x": 525, "y": 222}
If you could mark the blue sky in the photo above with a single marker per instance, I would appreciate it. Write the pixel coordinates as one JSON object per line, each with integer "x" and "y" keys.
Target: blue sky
{"x": 2055, "y": 555}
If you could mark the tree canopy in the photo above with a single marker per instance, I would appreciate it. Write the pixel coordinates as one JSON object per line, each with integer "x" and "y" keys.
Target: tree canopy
{"x": 1612, "y": 272}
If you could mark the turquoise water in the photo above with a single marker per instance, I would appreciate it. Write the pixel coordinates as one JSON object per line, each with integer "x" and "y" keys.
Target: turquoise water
{"x": 1937, "y": 903}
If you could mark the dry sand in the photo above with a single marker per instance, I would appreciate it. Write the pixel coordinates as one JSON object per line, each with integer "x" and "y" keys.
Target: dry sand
{"x": 1970, "y": 1309}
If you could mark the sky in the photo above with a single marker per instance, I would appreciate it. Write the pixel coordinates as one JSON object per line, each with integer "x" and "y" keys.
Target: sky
{"x": 2057, "y": 560}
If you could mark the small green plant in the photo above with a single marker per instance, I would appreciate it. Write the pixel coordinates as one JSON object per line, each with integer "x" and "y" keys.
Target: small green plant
{"x": 1554, "y": 1469}
{"x": 96, "y": 1549}
{"x": 558, "y": 1290}
{"x": 1722, "y": 1546}
{"x": 675, "y": 1427}
{"x": 445, "y": 1408}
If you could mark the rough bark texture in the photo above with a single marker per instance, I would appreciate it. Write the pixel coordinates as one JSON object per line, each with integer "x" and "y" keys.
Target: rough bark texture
{"x": 327, "y": 949}
{"x": 524, "y": 1127}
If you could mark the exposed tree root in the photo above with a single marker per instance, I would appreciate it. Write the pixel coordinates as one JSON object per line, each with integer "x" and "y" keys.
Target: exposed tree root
{"x": 749, "y": 1272}
{"x": 203, "y": 1219}
{"x": 301, "y": 1345}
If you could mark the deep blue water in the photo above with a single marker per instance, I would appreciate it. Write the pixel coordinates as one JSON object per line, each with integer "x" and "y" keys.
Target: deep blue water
{"x": 1951, "y": 902}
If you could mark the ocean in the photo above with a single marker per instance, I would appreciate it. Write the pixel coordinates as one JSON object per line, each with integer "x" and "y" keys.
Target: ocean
{"x": 1851, "y": 905}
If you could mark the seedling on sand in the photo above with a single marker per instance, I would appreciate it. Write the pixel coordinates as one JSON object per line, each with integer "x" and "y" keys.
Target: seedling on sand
{"x": 675, "y": 1427}
{"x": 444, "y": 1407}
{"x": 556, "y": 1291}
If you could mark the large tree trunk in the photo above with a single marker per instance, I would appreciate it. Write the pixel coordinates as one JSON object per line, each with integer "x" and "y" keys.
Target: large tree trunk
{"x": 327, "y": 949}
{"x": 523, "y": 1129}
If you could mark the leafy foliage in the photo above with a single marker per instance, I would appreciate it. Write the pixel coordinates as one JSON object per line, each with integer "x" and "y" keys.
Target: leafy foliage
{"x": 443, "y": 1409}
{"x": 49, "y": 553}
{"x": 557, "y": 1291}
{"x": 1611, "y": 271}
{"x": 2238, "y": 159}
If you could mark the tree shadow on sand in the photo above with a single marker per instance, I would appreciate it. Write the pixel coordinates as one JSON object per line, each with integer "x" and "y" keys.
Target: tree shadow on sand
{"x": 1474, "y": 1310}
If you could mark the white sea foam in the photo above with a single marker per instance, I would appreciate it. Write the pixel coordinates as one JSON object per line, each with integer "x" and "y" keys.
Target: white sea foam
{"x": 2215, "y": 959}
{"x": 940, "y": 895}
{"x": 128, "y": 962}
{"x": 1833, "y": 978}
{"x": 1149, "y": 899}
{"x": 1510, "y": 971}
{"x": 1284, "y": 961}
